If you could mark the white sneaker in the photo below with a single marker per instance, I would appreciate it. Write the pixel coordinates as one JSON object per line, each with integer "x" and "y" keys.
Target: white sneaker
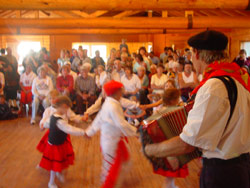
{"x": 60, "y": 177}
{"x": 52, "y": 185}
{"x": 32, "y": 122}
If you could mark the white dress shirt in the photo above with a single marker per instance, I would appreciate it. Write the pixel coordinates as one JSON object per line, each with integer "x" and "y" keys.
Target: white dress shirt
{"x": 207, "y": 120}
{"x": 112, "y": 124}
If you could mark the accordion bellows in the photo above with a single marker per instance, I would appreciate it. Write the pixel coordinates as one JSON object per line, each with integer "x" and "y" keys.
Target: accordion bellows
{"x": 165, "y": 124}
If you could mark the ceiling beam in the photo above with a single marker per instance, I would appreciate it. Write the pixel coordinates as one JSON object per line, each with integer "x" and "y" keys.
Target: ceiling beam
{"x": 125, "y": 14}
{"x": 131, "y": 23}
{"x": 63, "y": 14}
{"x": 123, "y": 5}
{"x": 102, "y": 22}
{"x": 98, "y": 13}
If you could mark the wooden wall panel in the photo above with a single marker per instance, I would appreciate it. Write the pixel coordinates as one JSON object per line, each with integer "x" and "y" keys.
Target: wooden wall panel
{"x": 237, "y": 36}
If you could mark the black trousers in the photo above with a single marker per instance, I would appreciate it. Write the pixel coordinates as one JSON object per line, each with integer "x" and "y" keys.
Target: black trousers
{"x": 232, "y": 173}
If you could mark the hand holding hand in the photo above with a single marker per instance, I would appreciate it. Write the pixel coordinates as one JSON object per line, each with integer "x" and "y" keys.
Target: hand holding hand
{"x": 85, "y": 117}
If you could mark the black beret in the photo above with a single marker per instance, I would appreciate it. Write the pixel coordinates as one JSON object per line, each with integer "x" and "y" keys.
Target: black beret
{"x": 209, "y": 40}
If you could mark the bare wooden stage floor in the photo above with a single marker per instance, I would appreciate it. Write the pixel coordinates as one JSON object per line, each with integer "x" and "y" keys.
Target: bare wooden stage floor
{"x": 19, "y": 157}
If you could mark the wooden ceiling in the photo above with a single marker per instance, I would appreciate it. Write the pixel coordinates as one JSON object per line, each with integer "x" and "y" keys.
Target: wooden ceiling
{"x": 119, "y": 16}
{"x": 42, "y": 14}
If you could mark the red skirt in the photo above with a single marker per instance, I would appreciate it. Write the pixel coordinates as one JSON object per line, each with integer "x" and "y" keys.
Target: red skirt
{"x": 56, "y": 157}
{"x": 43, "y": 142}
{"x": 180, "y": 173}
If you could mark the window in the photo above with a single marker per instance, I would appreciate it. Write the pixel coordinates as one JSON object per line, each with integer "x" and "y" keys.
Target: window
{"x": 102, "y": 49}
{"x": 24, "y": 48}
{"x": 246, "y": 46}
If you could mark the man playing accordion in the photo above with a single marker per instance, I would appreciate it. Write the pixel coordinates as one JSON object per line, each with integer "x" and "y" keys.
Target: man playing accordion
{"x": 216, "y": 125}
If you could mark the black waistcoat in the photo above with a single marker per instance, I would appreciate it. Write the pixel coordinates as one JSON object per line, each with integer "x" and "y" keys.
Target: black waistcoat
{"x": 56, "y": 136}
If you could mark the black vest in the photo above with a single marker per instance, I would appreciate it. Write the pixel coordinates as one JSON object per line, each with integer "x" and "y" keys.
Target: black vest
{"x": 56, "y": 136}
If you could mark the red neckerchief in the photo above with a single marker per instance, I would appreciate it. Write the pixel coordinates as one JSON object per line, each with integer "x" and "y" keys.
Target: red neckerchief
{"x": 219, "y": 68}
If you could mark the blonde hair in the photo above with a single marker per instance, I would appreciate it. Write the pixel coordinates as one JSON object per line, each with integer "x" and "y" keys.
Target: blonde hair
{"x": 53, "y": 93}
{"x": 60, "y": 100}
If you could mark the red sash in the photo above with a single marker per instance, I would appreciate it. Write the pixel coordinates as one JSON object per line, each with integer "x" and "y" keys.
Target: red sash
{"x": 122, "y": 155}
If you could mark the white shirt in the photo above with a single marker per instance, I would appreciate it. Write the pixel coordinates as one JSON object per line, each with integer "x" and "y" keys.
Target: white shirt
{"x": 2, "y": 81}
{"x": 63, "y": 125}
{"x": 111, "y": 123}
{"x": 207, "y": 120}
{"x": 27, "y": 79}
{"x": 132, "y": 84}
{"x": 42, "y": 86}
{"x": 159, "y": 82}
{"x": 51, "y": 110}
{"x": 126, "y": 103}
{"x": 114, "y": 76}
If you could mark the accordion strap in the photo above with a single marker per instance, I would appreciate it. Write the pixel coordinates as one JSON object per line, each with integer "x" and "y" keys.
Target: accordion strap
{"x": 232, "y": 94}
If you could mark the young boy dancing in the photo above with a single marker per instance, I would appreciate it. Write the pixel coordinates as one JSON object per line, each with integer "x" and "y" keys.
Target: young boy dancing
{"x": 114, "y": 128}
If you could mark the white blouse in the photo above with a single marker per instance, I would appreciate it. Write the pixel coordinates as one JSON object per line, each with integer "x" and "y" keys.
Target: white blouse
{"x": 132, "y": 84}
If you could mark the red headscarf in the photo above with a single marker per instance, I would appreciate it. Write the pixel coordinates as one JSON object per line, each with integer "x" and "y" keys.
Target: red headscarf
{"x": 219, "y": 68}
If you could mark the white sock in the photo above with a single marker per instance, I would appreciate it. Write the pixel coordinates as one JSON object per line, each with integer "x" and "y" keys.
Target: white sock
{"x": 170, "y": 182}
{"x": 60, "y": 176}
{"x": 52, "y": 177}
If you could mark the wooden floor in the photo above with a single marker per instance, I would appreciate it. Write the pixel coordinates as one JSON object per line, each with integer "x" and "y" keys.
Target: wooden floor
{"x": 19, "y": 157}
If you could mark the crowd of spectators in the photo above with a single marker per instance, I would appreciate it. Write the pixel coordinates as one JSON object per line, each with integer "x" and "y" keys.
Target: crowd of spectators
{"x": 144, "y": 76}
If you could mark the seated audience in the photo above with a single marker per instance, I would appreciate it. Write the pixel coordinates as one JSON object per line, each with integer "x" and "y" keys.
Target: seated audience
{"x": 50, "y": 72}
{"x": 97, "y": 60}
{"x": 72, "y": 73}
{"x": 11, "y": 58}
{"x": 11, "y": 85}
{"x": 187, "y": 81}
{"x": 158, "y": 80}
{"x": 80, "y": 60}
{"x": 112, "y": 56}
{"x": 85, "y": 90}
{"x": 139, "y": 62}
{"x": 173, "y": 73}
{"x": 135, "y": 115}
{"x": 26, "y": 81}
{"x": 242, "y": 59}
{"x": 41, "y": 87}
{"x": 131, "y": 82}
{"x": 141, "y": 71}
{"x": 155, "y": 60}
{"x": 2, "y": 83}
{"x": 100, "y": 69}
{"x": 63, "y": 58}
{"x": 169, "y": 53}
{"x": 163, "y": 54}
{"x": 118, "y": 67}
{"x": 6, "y": 112}
{"x": 65, "y": 82}
{"x": 109, "y": 74}
{"x": 74, "y": 54}
{"x": 143, "y": 53}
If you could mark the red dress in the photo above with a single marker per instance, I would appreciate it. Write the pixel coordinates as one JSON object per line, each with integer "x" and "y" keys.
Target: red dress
{"x": 56, "y": 147}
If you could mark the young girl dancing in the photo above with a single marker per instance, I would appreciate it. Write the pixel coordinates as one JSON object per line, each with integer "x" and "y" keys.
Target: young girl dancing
{"x": 48, "y": 113}
{"x": 58, "y": 153}
{"x": 114, "y": 128}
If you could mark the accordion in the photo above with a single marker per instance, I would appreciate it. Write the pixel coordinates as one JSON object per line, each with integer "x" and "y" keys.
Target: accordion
{"x": 165, "y": 124}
